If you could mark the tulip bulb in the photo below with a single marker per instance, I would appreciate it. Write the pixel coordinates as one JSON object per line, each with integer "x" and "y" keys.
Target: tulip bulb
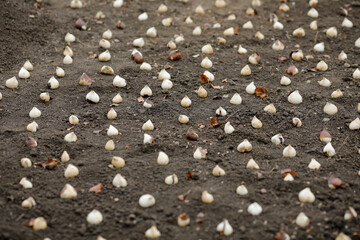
{"x": 94, "y": 217}
{"x": 28, "y": 66}
{"x": 313, "y": 13}
{"x": 117, "y": 98}
{"x": 71, "y": 171}
{"x": 288, "y": 177}
{"x": 295, "y": 97}
{"x": 270, "y": 108}
{"x": 228, "y": 128}
{"x": 329, "y": 150}
{"x": 69, "y": 38}
{"x": 342, "y": 236}
{"x": 241, "y": 190}
{"x": 289, "y": 151}
{"x": 110, "y": 145}
{"x": 208, "y": 76}
{"x": 324, "y": 82}
{"x": 68, "y": 192}
{"x": 207, "y": 198}
{"x": 331, "y": 32}
{"x": 322, "y": 66}
{"x": 347, "y": 23}
{"x": 152, "y": 232}
{"x": 254, "y": 209}
{"x": 143, "y": 16}
{"x": 278, "y": 26}
{"x": 32, "y": 127}
{"x": 248, "y": 25}
{"x": 119, "y": 181}
{"x": 112, "y": 131}
{"x": 118, "y": 162}
{"x": 23, "y": 73}
{"x": 350, "y": 214}
{"x": 254, "y": 58}
{"x": 357, "y": 43}
{"x": 145, "y": 66}
{"x": 183, "y": 119}
{"x": 171, "y": 179}
{"x": 151, "y": 32}
{"x": 197, "y": 31}
{"x": 76, "y": 4}
{"x": 148, "y": 103}
{"x": 206, "y": 63}
{"x": 306, "y": 196}
{"x": 218, "y": 171}
{"x": 245, "y": 71}
{"x": 118, "y": 3}
{"x": 251, "y": 164}
{"x": 330, "y": 109}
{"x": 104, "y": 43}
{"x": 107, "y": 34}
{"x": 302, "y": 220}
{"x": 67, "y": 60}
{"x": 314, "y": 25}
{"x": 139, "y": 42}
{"x": 297, "y": 55}
{"x": 107, "y": 70}
{"x": 92, "y": 97}
{"x": 148, "y": 139}
{"x": 337, "y": 93}
{"x": 25, "y": 162}
{"x": 236, "y": 99}
{"x": 296, "y": 122}
{"x": 146, "y": 201}
{"x": 207, "y": 49}
{"x": 26, "y": 183}
{"x": 230, "y": 31}
{"x": 163, "y": 74}
{"x": 342, "y": 56}
{"x": 259, "y": 36}
{"x": 241, "y": 50}
{"x": 162, "y": 8}
{"x": 148, "y": 126}
{"x": 224, "y": 228}
{"x": 65, "y": 157}
{"x": 250, "y": 89}
{"x": 299, "y": 32}
{"x": 105, "y": 56}
{"x": 256, "y": 123}
{"x": 356, "y": 74}
{"x": 244, "y": 146}
{"x": 163, "y": 159}
{"x": 320, "y": 47}
{"x": 39, "y": 224}
{"x": 278, "y": 46}
{"x": 277, "y": 139}
{"x": 202, "y": 92}
{"x": 167, "y": 22}
{"x": 325, "y": 136}
{"x": 314, "y": 164}
{"x": 285, "y": 81}
{"x": 111, "y": 114}
{"x": 35, "y": 113}
{"x": 28, "y": 203}
{"x": 221, "y": 112}
{"x": 186, "y": 102}
{"x": 355, "y": 124}
{"x": 183, "y": 220}
{"x": 12, "y": 83}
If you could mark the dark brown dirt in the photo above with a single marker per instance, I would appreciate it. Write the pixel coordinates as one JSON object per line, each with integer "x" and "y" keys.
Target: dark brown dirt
{"x": 41, "y": 40}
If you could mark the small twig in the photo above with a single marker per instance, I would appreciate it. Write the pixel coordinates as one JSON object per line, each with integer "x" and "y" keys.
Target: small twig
{"x": 232, "y": 115}
{"x": 316, "y": 36}
{"x": 343, "y": 144}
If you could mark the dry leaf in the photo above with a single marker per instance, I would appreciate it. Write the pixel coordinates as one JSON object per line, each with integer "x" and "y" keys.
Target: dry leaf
{"x": 140, "y": 99}
{"x": 216, "y": 87}
{"x": 214, "y": 122}
{"x": 204, "y": 78}
{"x": 175, "y": 55}
{"x": 189, "y": 175}
{"x": 282, "y": 59}
{"x": 96, "y": 189}
{"x": 261, "y": 92}
{"x": 49, "y": 164}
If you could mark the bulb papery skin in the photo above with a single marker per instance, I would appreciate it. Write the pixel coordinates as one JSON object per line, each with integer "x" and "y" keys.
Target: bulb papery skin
{"x": 295, "y": 97}
{"x": 302, "y": 220}
{"x": 94, "y": 217}
{"x": 314, "y": 164}
{"x": 306, "y": 196}
{"x": 224, "y": 228}
{"x": 254, "y": 209}
{"x": 289, "y": 151}
{"x": 146, "y": 201}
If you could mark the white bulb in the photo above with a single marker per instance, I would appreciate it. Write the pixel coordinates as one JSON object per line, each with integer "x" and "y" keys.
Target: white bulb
{"x": 254, "y": 209}
{"x": 142, "y": 17}
{"x": 12, "y": 83}
{"x": 166, "y": 84}
{"x": 306, "y": 196}
{"x": 331, "y": 32}
{"x": 71, "y": 171}
{"x": 295, "y": 97}
{"x": 35, "y": 113}
{"x": 207, "y": 49}
{"x": 117, "y": 98}
{"x": 228, "y": 128}
{"x": 105, "y": 56}
{"x": 314, "y": 25}
{"x": 256, "y": 123}
{"x": 251, "y": 164}
{"x": 329, "y": 150}
{"x": 288, "y": 178}
{"x": 207, "y": 198}
{"x": 23, "y": 73}
{"x": 250, "y": 89}
{"x": 259, "y": 36}
{"x": 163, "y": 159}
{"x": 25, "y": 162}
{"x": 118, "y": 3}
{"x": 285, "y": 81}
{"x": 242, "y": 50}
{"x": 152, "y": 233}
{"x": 314, "y": 164}
{"x": 151, "y": 32}
{"x": 357, "y": 43}
{"x": 342, "y": 56}
{"x": 244, "y": 146}
{"x": 171, "y": 179}
{"x": 93, "y": 97}
{"x": 183, "y": 119}
{"x": 270, "y": 108}
{"x": 185, "y": 102}
{"x": 60, "y": 72}
{"x": 163, "y": 74}
{"x": 322, "y": 66}
{"x": 221, "y": 112}
{"x": 330, "y": 109}
{"x": 299, "y": 32}
{"x": 146, "y": 201}
{"x": 26, "y": 183}
{"x": 236, "y": 99}
{"x": 324, "y": 82}
{"x": 65, "y": 157}
{"x": 112, "y": 131}
{"x": 76, "y": 4}
{"x": 148, "y": 126}
{"x": 68, "y": 192}
{"x": 278, "y": 46}
{"x": 167, "y": 22}
{"x": 245, "y": 71}
{"x": 347, "y": 23}
{"x": 313, "y": 13}
{"x": 104, "y": 43}
{"x": 320, "y": 47}
{"x": 107, "y": 34}
{"x": 28, "y": 66}
{"x": 356, "y": 74}
{"x": 302, "y": 220}
{"x": 146, "y": 91}
{"x": 209, "y": 76}
{"x": 69, "y": 38}
{"x": 241, "y": 190}
{"x": 53, "y": 83}
{"x": 28, "y": 203}
{"x": 162, "y": 8}
{"x": 277, "y": 139}
{"x": 206, "y": 63}
{"x": 148, "y": 139}
{"x": 218, "y": 171}
{"x": 224, "y": 228}
{"x": 248, "y": 25}
{"x": 119, "y": 81}
{"x": 229, "y": 31}
{"x": 188, "y": 20}
{"x": 117, "y": 162}
{"x": 355, "y": 124}
{"x": 32, "y": 127}
{"x": 70, "y": 137}
{"x": 110, "y": 145}
{"x": 289, "y": 151}
{"x": 145, "y": 66}
{"x": 94, "y": 217}
{"x": 197, "y": 31}
{"x": 278, "y": 26}
{"x": 139, "y": 42}
{"x": 119, "y": 181}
